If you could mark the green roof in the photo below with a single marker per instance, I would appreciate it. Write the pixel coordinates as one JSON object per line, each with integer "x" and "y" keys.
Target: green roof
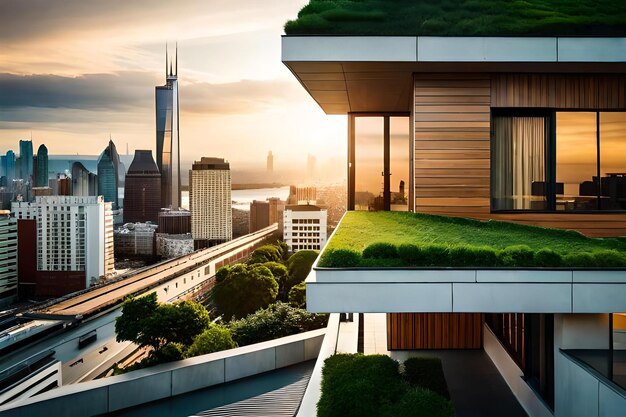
{"x": 461, "y": 18}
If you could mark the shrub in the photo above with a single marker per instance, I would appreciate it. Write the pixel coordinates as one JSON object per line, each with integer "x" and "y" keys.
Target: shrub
{"x": 297, "y": 296}
{"x": 426, "y": 373}
{"x": 420, "y": 402}
{"x": 548, "y": 258}
{"x": 265, "y": 253}
{"x": 579, "y": 259}
{"x": 411, "y": 255}
{"x": 358, "y": 385}
{"x": 169, "y": 353}
{"x": 214, "y": 339}
{"x": 471, "y": 256}
{"x": 380, "y": 250}
{"x": 281, "y": 275}
{"x": 278, "y": 320}
{"x": 609, "y": 258}
{"x": 518, "y": 255}
{"x": 299, "y": 266}
{"x": 435, "y": 255}
{"x": 340, "y": 258}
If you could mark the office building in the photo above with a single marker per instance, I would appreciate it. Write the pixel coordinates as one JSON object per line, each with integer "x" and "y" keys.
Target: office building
{"x": 73, "y": 241}
{"x": 270, "y": 163}
{"x": 135, "y": 239}
{"x": 63, "y": 185}
{"x": 142, "y": 192}
{"x": 304, "y": 227}
{"x": 210, "y": 201}
{"x": 167, "y": 136}
{"x": 108, "y": 174}
{"x": 265, "y": 213}
{"x": 26, "y": 161}
{"x": 41, "y": 179}
{"x": 10, "y": 169}
{"x": 8, "y": 258}
{"x": 84, "y": 182}
{"x": 173, "y": 246}
{"x": 302, "y": 195}
{"x": 174, "y": 222}
{"x": 41, "y": 191}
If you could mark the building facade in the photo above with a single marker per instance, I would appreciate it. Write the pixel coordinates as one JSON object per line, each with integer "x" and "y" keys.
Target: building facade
{"x": 108, "y": 174}
{"x": 173, "y": 246}
{"x": 84, "y": 182}
{"x": 74, "y": 234}
{"x": 174, "y": 222}
{"x": 135, "y": 239}
{"x": 142, "y": 190}
{"x": 42, "y": 167}
{"x": 8, "y": 258}
{"x": 265, "y": 213}
{"x": 210, "y": 201}
{"x": 304, "y": 227}
{"x": 167, "y": 136}
{"x": 26, "y": 160}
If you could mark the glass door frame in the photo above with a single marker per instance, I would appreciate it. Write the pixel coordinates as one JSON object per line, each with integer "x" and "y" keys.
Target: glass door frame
{"x": 386, "y": 157}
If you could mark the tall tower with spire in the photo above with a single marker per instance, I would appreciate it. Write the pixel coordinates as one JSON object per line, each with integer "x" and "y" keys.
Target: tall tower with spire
{"x": 167, "y": 134}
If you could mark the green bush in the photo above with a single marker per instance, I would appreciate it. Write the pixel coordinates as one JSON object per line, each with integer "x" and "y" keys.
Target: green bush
{"x": 266, "y": 253}
{"x": 518, "y": 255}
{"x": 472, "y": 256}
{"x": 579, "y": 259}
{"x": 277, "y": 320}
{"x": 281, "y": 275}
{"x": 609, "y": 258}
{"x": 214, "y": 339}
{"x": 548, "y": 258}
{"x": 299, "y": 266}
{"x": 436, "y": 255}
{"x": 297, "y": 296}
{"x": 411, "y": 255}
{"x": 340, "y": 258}
{"x": 381, "y": 250}
{"x": 420, "y": 402}
{"x": 426, "y": 373}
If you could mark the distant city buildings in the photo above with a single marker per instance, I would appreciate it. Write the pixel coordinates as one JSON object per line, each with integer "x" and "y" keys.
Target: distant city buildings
{"x": 8, "y": 258}
{"x": 84, "y": 182}
{"x": 174, "y": 222}
{"x": 26, "y": 161}
{"x": 142, "y": 190}
{"x": 210, "y": 202}
{"x": 108, "y": 177}
{"x": 270, "y": 163}
{"x": 41, "y": 179}
{"x": 167, "y": 136}
{"x": 135, "y": 239}
{"x": 304, "y": 227}
{"x": 265, "y": 213}
{"x": 71, "y": 241}
{"x": 173, "y": 246}
{"x": 302, "y": 195}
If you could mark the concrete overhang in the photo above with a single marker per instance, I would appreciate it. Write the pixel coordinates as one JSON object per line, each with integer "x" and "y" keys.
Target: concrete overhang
{"x": 411, "y": 290}
{"x": 374, "y": 73}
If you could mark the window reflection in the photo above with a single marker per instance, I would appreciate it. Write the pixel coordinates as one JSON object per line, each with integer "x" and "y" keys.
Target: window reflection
{"x": 368, "y": 150}
{"x": 399, "y": 162}
{"x": 612, "y": 165}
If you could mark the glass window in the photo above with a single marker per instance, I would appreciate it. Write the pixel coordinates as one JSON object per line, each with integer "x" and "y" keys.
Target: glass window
{"x": 399, "y": 162}
{"x": 368, "y": 163}
{"x": 613, "y": 161}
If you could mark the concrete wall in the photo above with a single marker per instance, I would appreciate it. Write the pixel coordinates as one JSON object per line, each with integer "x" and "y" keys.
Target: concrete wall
{"x": 167, "y": 380}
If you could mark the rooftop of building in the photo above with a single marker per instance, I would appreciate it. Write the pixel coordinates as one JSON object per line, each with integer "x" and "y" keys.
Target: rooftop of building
{"x": 303, "y": 207}
{"x": 143, "y": 163}
{"x": 460, "y": 18}
{"x": 211, "y": 163}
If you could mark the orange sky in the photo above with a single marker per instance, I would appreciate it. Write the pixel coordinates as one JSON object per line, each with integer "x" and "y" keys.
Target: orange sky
{"x": 74, "y": 72}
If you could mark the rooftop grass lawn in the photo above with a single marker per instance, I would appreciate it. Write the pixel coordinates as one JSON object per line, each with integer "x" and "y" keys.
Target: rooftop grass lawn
{"x": 461, "y": 18}
{"x": 373, "y": 239}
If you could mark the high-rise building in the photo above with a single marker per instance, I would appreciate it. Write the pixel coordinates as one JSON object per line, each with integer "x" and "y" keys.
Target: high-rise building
{"x": 42, "y": 167}
{"x": 174, "y": 222}
{"x": 26, "y": 160}
{"x": 270, "y": 163}
{"x": 84, "y": 182}
{"x": 304, "y": 227}
{"x": 8, "y": 258}
{"x": 265, "y": 213}
{"x": 310, "y": 166}
{"x": 302, "y": 195}
{"x": 108, "y": 178}
{"x": 167, "y": 138}
{"x": 64, "y": 185}
{"x": 210, "y": 201}
{"x": 10, "y": 169}
{"x": 142, "y": 192}
{"x": 74, "y": 239}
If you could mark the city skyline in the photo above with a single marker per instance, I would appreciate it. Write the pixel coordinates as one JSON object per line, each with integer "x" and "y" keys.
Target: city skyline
{"x": 100, "y": 81}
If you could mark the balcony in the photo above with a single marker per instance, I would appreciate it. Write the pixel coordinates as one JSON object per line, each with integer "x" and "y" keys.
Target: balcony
{"x": 447, "y": 264}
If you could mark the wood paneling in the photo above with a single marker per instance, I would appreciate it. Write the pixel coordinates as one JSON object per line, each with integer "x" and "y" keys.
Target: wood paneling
{"x": 407, "y": 331}
{"x": 452, "y": 139}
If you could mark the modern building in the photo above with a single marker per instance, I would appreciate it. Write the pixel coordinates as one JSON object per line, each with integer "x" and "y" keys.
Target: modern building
{"x": 265, "y": 213}
{"x": 173, "y": 246}
{"x": 41, "y": 179}
{"x": 10, "y": 170}
{"x": 108, "y": 176}
{"x": 84, "y": 182}
{"x": 135, "y": 239}
{"x": 174, "y": 222}
{"x": 304, "y": 227}
{"x": 302, "y": 195}
{"x": 270, "y": 163}
{"x": 528, "y": 130}
{"x": 8, "y": 258}
{"x": 142, "y": 191}
{"x": 63, "y": 185}
{"x": 26, "y": 160}
{"x": 73, "y": 241}
{"x": 42, "y": 191}
{"x": 210, "y": 202}
{"x": 167, "y": 136}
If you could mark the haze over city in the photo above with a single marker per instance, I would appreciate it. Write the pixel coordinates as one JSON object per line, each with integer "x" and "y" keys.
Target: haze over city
{"x": 72, "y": 74}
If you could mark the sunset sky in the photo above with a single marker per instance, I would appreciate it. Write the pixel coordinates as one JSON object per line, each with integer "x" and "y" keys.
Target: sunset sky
{"x": 75, "y": 71}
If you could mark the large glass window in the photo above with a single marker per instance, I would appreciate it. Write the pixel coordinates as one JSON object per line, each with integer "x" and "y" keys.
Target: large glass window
{"x": 561, "y": 161}
{"x": 369, "y": 133}
{"x": 399, "y": 163}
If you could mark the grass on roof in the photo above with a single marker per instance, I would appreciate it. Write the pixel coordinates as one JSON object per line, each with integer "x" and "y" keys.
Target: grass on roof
{"x": 461, "y": 18}
{"x": 360, "y": 230}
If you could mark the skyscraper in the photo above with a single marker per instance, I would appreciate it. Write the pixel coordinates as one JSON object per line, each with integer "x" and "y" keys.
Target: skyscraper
{"x": 84, "y": 182}
{"x": 210, "y": 202}
{"x": 108, "y": 180}
{"x": 26, "y": 160}
{"x": 10, "y": 169}
{"x": 8, "y": 258}
{"x": 270, "y": 163}
{"x": 142, "y": 193}
{"x": 167, "y": 139}
{"x": 42, "y": 167}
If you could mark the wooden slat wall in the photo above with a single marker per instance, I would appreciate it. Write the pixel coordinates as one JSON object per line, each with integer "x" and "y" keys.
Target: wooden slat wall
{"x": 452, "y": 139}
{"x": 406, "y": 331}
{"x": 452, "y": 123}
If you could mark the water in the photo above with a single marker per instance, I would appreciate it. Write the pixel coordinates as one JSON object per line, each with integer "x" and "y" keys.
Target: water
{"x": 243, "y": 198}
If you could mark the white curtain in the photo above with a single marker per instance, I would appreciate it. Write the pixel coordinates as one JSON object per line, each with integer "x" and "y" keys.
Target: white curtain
{"x": 519, "y": 161}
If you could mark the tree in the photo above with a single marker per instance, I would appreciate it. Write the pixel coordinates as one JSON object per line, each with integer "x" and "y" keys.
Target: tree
{"x": 265, "y": 253}
{"x": 135, "y": 311}
{"x": 281, "y": 275}
{"x": 243, "y": 290}
{"x": 214, "y": 339}
{"x": 299, "y": 266}
{"x": 297, "y": 295}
